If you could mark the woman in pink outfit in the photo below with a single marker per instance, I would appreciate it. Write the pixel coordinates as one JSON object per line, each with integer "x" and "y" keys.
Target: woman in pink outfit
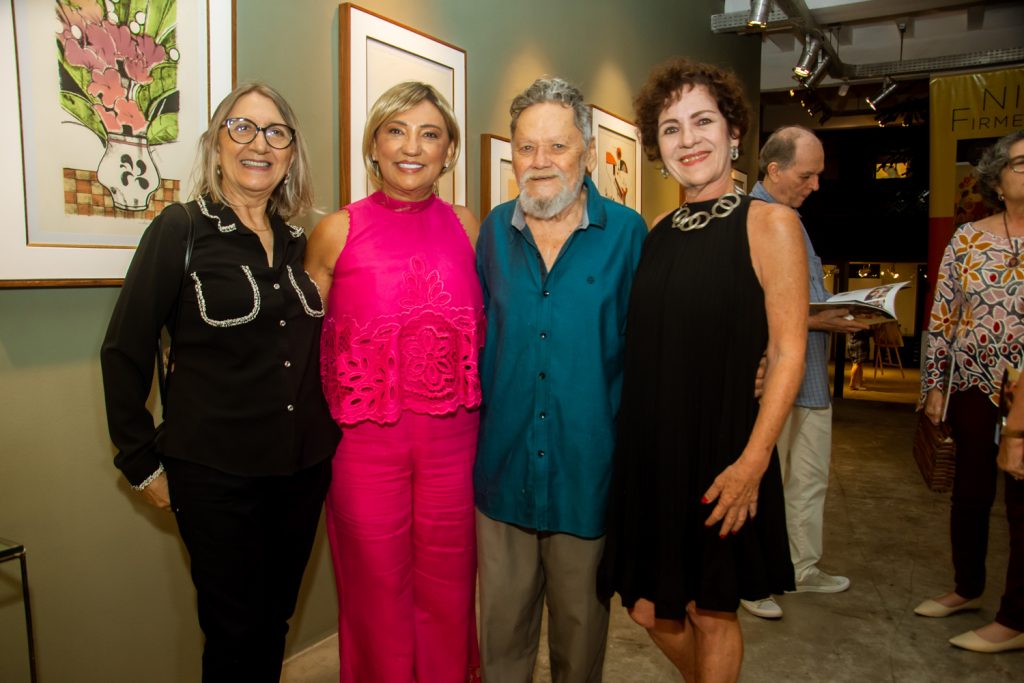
{"x": 403, "y": 327}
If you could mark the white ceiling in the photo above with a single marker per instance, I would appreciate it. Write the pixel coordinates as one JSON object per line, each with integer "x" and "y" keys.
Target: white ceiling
{"x": 866, "y": 32}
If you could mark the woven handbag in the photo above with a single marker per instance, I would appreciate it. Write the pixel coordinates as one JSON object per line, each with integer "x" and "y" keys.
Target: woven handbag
{"x": 935, "y": 453}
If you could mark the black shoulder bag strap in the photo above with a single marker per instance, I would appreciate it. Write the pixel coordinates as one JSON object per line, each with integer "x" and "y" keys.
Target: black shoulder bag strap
{"x": 165, "y": 367}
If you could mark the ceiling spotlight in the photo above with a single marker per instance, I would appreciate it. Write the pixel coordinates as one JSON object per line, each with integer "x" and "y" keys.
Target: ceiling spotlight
{"x": 844, "y": 89}
{"x": 812, "y": 45}
{"x": 759, "y": 11}
{"x": 818, "y": 73}
{"x": 888, "y": 85}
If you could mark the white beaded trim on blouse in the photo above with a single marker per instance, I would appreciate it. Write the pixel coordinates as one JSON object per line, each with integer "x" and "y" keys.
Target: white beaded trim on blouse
{"x": 302, "y": 297}
{"x": 150, "y": 479}
{"x": 230, "y": 322}
{"x": 231, "y": 227}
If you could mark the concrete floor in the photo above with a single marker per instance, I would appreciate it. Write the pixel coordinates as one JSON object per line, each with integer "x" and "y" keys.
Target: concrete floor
{"x": 887, "y": 532}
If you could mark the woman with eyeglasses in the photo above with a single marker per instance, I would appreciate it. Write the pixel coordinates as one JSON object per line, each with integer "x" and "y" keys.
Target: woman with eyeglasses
{"x": 977, "y": 332}
{"x": 403, "y": 329}
{"x": 243, "y": 455}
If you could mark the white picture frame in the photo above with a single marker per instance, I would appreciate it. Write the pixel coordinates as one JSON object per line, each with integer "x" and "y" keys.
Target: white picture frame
{"x": 29, "y": 262}
{"x": 617, "y": 171}
{"x": 497, "y": 178}
{"x": 739, "y": 181}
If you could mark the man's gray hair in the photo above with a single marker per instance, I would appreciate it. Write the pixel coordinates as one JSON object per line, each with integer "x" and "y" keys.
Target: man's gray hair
{"x": 557, "y": 91}
{"x": 780, "y": 147}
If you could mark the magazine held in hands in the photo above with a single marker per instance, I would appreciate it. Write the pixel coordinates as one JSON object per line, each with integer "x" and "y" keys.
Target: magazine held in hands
{"x": 871, "y": 306}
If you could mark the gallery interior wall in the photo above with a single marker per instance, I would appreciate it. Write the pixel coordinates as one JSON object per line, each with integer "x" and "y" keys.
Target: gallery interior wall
{"x": 111, "y": 595}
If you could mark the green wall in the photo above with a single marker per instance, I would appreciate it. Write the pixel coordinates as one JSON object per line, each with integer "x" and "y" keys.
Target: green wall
{"x": 112, "y": 598}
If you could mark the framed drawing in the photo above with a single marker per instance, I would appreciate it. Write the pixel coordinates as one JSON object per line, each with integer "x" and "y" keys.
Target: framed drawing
{"x": 739, "y": 182}
{"x": 377, "y": 53}
{"x": 110, "y": 101}
{"x": 617, "y": 175}
{"x": 497, "y": 179}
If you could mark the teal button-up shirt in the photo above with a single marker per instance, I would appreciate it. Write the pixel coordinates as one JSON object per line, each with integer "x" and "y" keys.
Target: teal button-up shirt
{"x": 551, "y": 369}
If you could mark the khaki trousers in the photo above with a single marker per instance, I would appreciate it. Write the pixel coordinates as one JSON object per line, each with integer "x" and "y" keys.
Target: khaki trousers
{"x": 805, "y": 451}
{"x": 519, "y": 569}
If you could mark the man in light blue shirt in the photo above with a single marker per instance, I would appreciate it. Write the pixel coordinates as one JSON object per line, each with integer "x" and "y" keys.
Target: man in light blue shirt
{"x": 556, "y": 267}
{"x": 791, "y": 161}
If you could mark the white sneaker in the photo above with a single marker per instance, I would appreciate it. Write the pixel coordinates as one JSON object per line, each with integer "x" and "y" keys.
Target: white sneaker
{"x": 766, "y": 608}
{"x": 817, "y": 581}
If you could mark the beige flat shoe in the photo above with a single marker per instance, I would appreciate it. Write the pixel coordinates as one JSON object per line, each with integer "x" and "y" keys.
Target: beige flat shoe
{"x": 932, "y": 608}
{"x": 975, "y": 643}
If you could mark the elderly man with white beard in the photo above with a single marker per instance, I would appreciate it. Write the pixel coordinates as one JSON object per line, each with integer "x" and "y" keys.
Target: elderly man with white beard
{"x": 556, "y": 266}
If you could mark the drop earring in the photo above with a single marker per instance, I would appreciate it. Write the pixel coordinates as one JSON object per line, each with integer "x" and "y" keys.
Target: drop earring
{"x": 734, "y": 153}
{"x": 664, "y": 172}
{"x": 286, "y": 178}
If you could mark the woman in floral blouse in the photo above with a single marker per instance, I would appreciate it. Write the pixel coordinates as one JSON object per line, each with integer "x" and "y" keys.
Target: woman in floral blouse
{"x": 976, "y": 333}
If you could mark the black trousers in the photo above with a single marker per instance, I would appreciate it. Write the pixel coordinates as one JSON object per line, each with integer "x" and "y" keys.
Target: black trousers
{"x": 972, "y": 420}
{"x": 248, "y": 539}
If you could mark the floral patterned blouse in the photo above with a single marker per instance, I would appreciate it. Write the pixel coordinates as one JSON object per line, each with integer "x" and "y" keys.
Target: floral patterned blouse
{"x": 405, "y": 317}
{"x": 977, "y": 319}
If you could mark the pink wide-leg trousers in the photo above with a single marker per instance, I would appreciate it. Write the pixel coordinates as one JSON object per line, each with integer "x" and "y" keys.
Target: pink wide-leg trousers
{"x": 400, "y": 519}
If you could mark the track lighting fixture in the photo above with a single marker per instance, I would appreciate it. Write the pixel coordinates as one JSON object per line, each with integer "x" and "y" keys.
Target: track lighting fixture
{"x": 818, "y": 73}
{"x": 759, "y": 11}
{"x": 812, "y": 45}
{"x": 888, "y": 85}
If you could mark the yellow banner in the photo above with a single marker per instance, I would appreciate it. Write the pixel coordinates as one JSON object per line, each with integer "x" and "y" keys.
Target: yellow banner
{"x": 967, "y": 113}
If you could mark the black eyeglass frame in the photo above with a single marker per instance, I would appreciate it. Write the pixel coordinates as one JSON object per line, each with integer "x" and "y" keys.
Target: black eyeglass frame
{"x": 259, "y": 129}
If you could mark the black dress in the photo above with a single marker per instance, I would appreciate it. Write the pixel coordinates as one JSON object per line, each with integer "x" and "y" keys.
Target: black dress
{"x": 696, "y": 331}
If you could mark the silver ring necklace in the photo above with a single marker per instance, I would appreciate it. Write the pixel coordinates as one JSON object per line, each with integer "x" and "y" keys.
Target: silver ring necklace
{"x": 684, "y": 220}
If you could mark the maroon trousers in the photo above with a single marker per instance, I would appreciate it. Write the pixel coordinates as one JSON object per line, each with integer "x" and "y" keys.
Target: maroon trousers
{"x": 972, "y": 418}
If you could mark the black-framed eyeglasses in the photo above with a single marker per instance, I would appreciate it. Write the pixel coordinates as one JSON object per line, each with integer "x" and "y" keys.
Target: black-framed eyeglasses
{"x": 243, "y": 131}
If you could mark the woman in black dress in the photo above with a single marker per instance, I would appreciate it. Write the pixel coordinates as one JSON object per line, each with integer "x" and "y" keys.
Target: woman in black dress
{"x": 696, "y": 516}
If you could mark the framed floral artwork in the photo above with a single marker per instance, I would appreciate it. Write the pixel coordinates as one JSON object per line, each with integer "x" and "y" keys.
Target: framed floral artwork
{"x": 617, "y": 174}
{"x": 497, "y": 179}
{"x": 111, "y": 98}
{"x": 377, "y": 53}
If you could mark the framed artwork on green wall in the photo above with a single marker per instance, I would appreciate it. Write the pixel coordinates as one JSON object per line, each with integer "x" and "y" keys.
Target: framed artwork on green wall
{"x": 377, "y": 53}
{"x": 497, "y": 179}
{"x": 110, "y": 101}
{"x": 619, "y": 154}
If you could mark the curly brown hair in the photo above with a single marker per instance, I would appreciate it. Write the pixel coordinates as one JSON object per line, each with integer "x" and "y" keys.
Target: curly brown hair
{"x": 993, "y": 160}
{"x": 663, "y": 87}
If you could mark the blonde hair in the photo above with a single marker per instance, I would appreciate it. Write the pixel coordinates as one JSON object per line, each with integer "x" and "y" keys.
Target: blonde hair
{"x": 288, "y": 198}
{"x": 395, "y": 100}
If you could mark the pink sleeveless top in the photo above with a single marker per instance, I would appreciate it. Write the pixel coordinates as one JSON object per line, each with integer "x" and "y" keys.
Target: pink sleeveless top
{"x": 405, "y": 318}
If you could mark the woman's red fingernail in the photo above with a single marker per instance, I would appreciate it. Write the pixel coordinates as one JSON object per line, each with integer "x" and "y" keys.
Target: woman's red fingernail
{"x": 722, "y": 535}
{"x": 705, "y": 500}
{"x": 735, "y": 531}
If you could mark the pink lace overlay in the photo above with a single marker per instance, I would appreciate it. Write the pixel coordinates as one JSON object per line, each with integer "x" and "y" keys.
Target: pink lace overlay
{"x": 421, "y": 355}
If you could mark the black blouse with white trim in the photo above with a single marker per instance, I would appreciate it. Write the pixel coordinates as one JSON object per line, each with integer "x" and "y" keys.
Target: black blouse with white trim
{"x": 244, "y": 396}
